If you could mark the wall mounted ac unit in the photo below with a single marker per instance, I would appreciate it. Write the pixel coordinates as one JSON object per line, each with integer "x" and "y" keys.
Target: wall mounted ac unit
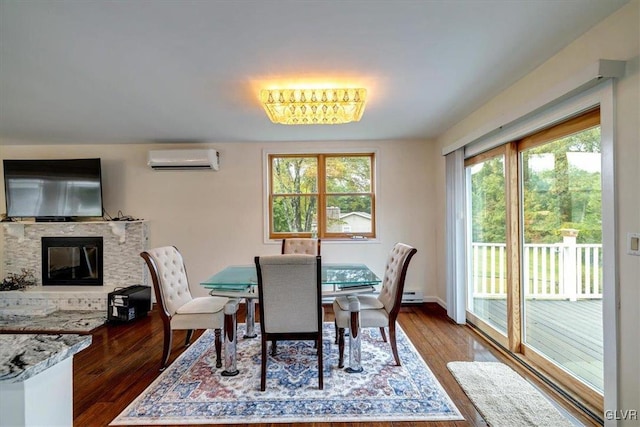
{"x": 184, "y": 159}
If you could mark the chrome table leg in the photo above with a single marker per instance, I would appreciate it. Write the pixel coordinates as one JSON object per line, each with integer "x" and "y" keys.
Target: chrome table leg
{"x": 251, "y": 318}
{"x": 230, "y": 338}
{"x": 354, "y": 336}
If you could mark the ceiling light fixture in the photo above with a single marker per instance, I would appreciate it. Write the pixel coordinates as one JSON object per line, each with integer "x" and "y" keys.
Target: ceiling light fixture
{"x": 313, "y": 106}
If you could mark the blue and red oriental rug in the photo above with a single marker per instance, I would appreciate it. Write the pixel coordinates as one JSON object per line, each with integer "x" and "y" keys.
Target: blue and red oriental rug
{"x": 192, "y": 391}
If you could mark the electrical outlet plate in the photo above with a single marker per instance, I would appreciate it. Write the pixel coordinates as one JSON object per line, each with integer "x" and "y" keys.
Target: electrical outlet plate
{"x": 633, "y": 244}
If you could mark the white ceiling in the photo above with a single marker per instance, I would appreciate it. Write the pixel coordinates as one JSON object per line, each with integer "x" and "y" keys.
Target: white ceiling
{"x": 95, "y": 71}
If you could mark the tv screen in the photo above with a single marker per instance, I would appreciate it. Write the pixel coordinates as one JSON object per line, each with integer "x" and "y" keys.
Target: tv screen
{"x": 53, "y": 189}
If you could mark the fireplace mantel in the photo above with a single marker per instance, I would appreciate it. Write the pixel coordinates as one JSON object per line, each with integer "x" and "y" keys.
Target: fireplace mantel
{"x": 119, "y": 228}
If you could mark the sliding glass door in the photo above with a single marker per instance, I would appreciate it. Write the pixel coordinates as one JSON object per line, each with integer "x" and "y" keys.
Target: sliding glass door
{"x": 562, "y": 251}
{"x": 534, "y": 251}
{"x": 487, "y": 275}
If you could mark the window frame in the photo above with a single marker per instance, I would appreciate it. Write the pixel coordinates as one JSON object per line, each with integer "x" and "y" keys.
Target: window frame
{"x": 321, "y": 195}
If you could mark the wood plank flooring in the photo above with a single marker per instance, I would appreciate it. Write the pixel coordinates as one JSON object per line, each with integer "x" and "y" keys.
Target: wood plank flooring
{"x": 123, "y": 360}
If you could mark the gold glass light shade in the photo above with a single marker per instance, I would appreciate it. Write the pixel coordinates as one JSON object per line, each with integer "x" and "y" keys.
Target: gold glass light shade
{"x": 313, "y": 106}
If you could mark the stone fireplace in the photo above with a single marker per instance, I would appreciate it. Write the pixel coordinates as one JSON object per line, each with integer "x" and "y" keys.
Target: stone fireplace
{"x": 76, "y": 244}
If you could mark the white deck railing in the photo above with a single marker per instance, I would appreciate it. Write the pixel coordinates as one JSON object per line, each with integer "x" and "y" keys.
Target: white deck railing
{"x": 552, "y": 271}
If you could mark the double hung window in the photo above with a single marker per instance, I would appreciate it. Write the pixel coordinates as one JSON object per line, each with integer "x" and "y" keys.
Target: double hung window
{"x": 321, "y": 195}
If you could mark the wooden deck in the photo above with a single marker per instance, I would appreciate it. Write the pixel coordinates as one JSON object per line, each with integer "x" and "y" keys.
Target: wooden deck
{"x": 567, "y": 332}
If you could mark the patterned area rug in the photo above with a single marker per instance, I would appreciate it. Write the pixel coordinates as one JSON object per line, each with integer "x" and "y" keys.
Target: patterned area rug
{"x": 192, "y": 391}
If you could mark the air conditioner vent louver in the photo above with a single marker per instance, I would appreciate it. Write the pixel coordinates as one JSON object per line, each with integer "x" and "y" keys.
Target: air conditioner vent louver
{"x": 412, "y": 297}
{"x": 186, "y": 159}
{"x": 182, "y": 167}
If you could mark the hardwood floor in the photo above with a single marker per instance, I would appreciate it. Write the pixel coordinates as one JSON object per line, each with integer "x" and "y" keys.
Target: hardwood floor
{"x": 124, "y": 359}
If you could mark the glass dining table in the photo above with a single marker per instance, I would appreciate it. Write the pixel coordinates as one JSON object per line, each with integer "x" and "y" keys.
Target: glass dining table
{"x": 338, "y": 279}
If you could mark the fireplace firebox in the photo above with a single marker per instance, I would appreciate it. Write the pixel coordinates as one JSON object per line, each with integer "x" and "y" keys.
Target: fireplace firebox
{"x": 72, "y": 261}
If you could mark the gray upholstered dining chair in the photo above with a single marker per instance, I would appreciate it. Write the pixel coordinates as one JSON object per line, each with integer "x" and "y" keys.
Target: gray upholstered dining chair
{"x": 381, "y": 311}
{"x": 179, "y": 310}
{"x": 299, "y": 245}
{"x": 290, "y": 303}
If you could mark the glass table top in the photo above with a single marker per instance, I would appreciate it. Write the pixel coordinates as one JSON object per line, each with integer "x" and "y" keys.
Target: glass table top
{"x": 242, "y": 277}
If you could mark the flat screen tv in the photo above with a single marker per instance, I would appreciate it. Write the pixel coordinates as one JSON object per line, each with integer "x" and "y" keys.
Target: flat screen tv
{"x": 53, "y": 190}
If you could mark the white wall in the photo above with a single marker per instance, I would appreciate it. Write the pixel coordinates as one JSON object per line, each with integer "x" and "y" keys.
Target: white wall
{"x": 617, "y": 38}
{"x": 216, "y": 218}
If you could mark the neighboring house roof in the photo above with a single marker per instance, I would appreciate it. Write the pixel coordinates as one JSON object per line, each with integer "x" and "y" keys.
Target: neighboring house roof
{"x": 362, "y": 214}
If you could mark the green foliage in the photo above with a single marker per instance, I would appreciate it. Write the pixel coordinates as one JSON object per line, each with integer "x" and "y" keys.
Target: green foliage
{"x": 488, "y": 213}
{"x": 296, "y": 179}
{"x": 350, "y": 203}
{"x": 295, "y": 189}
{"x": 561, "y": 188}
{"x": 294, "y": 213}
{"x": 348, "y": 174}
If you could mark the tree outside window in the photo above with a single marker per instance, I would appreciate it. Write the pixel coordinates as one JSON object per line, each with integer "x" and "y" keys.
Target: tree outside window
{"x": 342, "y": 184}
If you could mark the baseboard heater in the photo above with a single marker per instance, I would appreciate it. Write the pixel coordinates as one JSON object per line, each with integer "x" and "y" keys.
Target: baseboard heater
{"x": 408, "y": 297}
{"x": 412, "y": 297}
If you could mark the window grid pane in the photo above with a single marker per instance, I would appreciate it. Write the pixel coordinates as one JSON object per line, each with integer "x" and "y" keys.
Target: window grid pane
{"x": 342, "y": 184}
{"x": 294, "y": 214}
{"x": 294, "y": 175}
{"x": 348, "y": 174}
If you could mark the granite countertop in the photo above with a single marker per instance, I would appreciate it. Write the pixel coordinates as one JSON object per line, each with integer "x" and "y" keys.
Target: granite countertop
{"x": 71, "y": 321}
{"x": 23, "y": 356}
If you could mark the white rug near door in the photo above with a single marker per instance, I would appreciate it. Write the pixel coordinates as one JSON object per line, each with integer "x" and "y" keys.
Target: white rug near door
{"x": 504, "y": 398}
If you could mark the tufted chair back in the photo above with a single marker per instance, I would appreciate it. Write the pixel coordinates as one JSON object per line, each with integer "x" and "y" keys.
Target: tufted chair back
{"x": 304, "y": 246}
{"x": 169, "y": 278}
{"x": 394, "y": 275}
{"x": 289, "y": 289}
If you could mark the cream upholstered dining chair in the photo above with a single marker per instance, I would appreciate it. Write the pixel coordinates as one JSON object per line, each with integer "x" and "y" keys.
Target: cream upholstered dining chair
{"x": 178, "y": 309}
{"x": 297, "y": 245}
{"x": 381, "y": 311}
{"x": 290, "y": 303}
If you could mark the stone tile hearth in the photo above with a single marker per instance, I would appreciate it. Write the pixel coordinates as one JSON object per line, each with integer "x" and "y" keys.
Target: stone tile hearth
{"x": 38, "y": 299}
